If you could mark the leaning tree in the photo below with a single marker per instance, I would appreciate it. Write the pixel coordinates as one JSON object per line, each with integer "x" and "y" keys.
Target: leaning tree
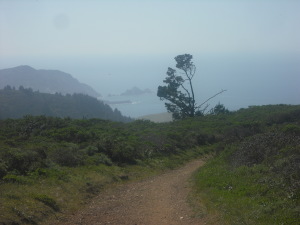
{"x": 179, "y": 91}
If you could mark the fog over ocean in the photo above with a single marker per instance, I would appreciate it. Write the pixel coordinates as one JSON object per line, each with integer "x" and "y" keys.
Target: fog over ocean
{"x": 249, "y": 79}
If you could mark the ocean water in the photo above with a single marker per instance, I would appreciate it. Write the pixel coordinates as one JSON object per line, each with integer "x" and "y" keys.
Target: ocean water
{"x": 137, "y": 105}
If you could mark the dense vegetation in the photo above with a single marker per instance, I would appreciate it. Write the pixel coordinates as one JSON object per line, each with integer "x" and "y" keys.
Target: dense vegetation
{"x": 257, "y": 179}
{"x": 46, "y": 161}
{"x": 18, "y": 103}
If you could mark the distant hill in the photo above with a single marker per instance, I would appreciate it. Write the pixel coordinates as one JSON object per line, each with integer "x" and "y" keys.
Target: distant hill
{"x": 46, "y": 81}
{"x": 18, "y": 103}
{"x": 136, "y": 91}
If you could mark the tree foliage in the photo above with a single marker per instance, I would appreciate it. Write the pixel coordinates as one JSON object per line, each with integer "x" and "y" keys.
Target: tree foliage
{"x": 219, "y": 109}
{"x": 24, "y": 101}
{"x": 179, "y": 91}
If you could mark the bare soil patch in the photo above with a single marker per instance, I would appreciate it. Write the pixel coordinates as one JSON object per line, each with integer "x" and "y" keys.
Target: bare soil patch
{"x": 159, "y": 200}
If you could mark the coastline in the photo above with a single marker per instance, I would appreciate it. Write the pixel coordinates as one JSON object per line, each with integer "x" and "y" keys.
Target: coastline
{"x": 158, "y": 117}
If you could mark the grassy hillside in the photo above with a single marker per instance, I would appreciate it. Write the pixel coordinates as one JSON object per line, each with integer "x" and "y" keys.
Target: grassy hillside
{"x": 257, "y": 180}
{"x": 50, "y": 166}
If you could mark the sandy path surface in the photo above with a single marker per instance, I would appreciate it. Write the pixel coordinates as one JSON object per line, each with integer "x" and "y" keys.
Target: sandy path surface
{"x": 160, "y": 200}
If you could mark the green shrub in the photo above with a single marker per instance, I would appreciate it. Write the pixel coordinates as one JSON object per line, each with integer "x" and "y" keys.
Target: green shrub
{"x": 11, "y": 178}
{"x": 98, "y": 158}
{"x": 292, "y": 129}
{"x": 262, "y": 147}
{"x": 124, "y": 154}
{"x": 69, "y": 156}
{"x": 91, "y": 150}
{"x": 23, "y": 161}
{"x": 3, "y": 169}
{"x": 92, "y": 188}
{"x": 290, "y": 115}
{"x": 55, "y": 173}
{"x": 47, "y": 201}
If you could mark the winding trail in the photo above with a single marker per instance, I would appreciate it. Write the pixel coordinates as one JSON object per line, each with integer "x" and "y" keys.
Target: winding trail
{"x": 159, "y": 200}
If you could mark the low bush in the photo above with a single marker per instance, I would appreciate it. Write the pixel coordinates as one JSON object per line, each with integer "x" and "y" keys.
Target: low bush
{"x": 69, "y": 155}
{"x": 22, "y": 161}
{"x": 3, "y": 169}
{"x": 55, "y": 173}
{"x": 291, "y": 129}
{"x": 12, "y": 178}
{"x": 262, "y": 147}
{"x": 47, "y": 201}
{"x": 98, "y": 158}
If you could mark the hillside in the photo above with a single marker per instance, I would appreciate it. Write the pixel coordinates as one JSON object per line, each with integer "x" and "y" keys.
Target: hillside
{"x": 46, "y": 81}
{"x": 21, "y": 102}
{"x": 51, "y": 167}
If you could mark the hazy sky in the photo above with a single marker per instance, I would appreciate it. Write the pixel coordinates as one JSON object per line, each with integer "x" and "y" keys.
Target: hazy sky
{"x": 86, "y": 27}
{"x": 249, "y": 47}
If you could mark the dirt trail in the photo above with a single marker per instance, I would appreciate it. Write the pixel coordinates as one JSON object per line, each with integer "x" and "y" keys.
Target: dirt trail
{"x": 160, "y": 200}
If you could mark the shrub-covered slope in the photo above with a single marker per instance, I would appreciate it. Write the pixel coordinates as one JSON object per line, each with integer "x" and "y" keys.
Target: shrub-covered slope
{"x": 50, "y": 165}
{"x": 257, "y": 179}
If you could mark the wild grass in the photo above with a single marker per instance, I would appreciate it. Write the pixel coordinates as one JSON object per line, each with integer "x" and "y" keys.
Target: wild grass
{"x": 247, "y": 195}
{"x": 45, "y": 196}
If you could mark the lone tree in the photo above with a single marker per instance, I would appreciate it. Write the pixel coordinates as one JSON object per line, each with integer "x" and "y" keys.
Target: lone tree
{"x": 180, "y": 95}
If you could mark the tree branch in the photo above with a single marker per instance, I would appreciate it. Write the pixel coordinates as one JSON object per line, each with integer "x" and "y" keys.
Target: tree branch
{"x": 198, "y": 107}
{"x": 186, "y": 90}
{"x": 192, "y": 104}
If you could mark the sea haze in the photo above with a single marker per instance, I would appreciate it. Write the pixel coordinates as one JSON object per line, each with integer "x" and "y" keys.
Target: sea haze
{"x": 249, "y": 79}
{"x": 138, "y": 105}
